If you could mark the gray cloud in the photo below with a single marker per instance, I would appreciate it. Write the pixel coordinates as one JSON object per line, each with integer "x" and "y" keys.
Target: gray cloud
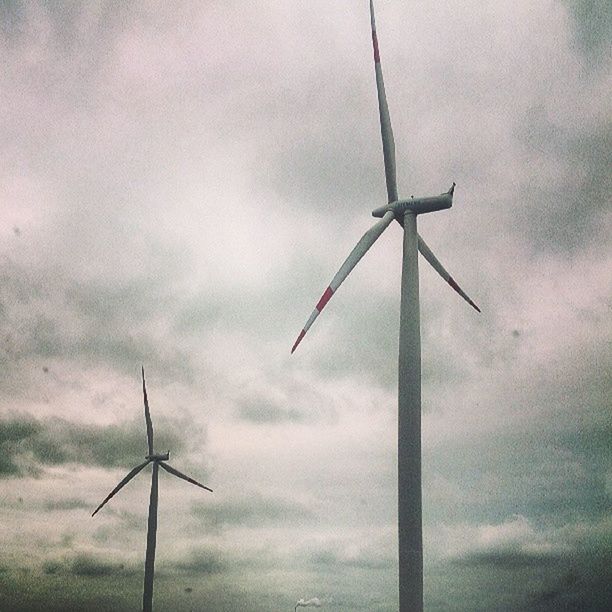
{"x": 12, "y": 433}
{"x": 266, "y": 413}
{"x": 28, "y": 444}
{"x": 547, "y": 477}
{"x": 592, "y": 20}
{"x": 186, "y": 180}
{"x": 202, "y": 562}
{"x": 330, "y": 558}
{"x": 253, "y": 511}
{"x": 371, "y": 349}
{"x": 583, "y": 586}
{"x": 67, "y": 504}
{"x": 512, "y": 583}
{"x": 508, "y": 559}
{"x": 568, "y": 212}
{"x": 47, "y": 316}
{"x": 85, "y": 565}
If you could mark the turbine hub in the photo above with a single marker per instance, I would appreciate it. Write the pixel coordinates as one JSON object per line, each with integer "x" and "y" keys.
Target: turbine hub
{"x": 159, "y": 456}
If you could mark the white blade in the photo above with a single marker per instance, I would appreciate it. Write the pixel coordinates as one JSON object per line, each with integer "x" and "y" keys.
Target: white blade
{"x": 171, "y": 470}
{"x": 439, "y": 268}
{"x": 385, "y": 121}
{"x": 367, "y": 240}
{"x": 147, "y": 415}
{"x": 122, "y": 484}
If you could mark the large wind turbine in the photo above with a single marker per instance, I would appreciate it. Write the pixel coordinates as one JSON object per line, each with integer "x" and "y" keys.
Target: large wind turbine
{"x": 409, "y": 388}
{"x": 158, "y": 460}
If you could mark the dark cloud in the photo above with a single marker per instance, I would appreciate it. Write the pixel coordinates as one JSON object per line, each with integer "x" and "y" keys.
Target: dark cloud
{"x": 538, "y": 475}
{"x": 512, "y": 580}
{"x": 508, "y": 559}
{"x": 61, "y": 590}
{"x": 13, "y": 433}
{"x": 584, "y": 586}
{"x": 85, "y": 565}
{"x": 572, "y": 579}
{"x": 203, "y": 562}
{"x": 29, "y": 444}
{"x": 592, "y": 20}
{"x": 47, "y": 315}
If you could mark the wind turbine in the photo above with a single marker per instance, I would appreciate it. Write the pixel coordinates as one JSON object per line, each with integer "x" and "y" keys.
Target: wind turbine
{"x": 409, "y": 370}
{"x": 158, "y": 460}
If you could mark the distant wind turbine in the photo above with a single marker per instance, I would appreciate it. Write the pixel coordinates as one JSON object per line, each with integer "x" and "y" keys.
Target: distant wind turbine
{"x": 158, "y": 460}
{"x": 409, "y": 389}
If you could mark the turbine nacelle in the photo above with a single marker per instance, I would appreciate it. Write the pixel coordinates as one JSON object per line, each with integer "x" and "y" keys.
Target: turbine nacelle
{"x": 417, "y": 205}
{"x": 158, "y": 456}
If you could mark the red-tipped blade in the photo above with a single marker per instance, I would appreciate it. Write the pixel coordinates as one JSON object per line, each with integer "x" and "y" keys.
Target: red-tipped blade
{"x": 386, "y": 131}
{"x": 367, "y": 240}
{"x": 299, "y": 339}
{"x": 122, "y": 484}
{"x": 439, "y": 268}
{"x": 175, "y": 472}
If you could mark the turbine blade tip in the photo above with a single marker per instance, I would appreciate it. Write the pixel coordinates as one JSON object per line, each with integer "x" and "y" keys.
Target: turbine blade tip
{"x": 299, "y": 339}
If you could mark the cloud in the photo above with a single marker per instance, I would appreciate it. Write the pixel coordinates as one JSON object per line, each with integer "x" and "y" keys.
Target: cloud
{"x": 508, "y": 559}
{"x": 581, "y": 586}
{"x": 185, "y": 181}
{"x": 12, "y": 433}
{"x": 48, "y": 316}
{"x": 203, "y": 561}
{"x": 85, "y": 564}
{"x": 536, "y": 566}
{"x": 253, "y": 511}
{"x": 28, "y": 444}
{"x": 570, "y": 209}
{"x": 376, "y": 554}
{"x": 592, "y": 21}
{"x": 261, "y": 413}
{"x": 67, "y": 504}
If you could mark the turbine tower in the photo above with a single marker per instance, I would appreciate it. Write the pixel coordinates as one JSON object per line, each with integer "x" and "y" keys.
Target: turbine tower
{"x": 158, "y": 460}
{"x": 409, "y": 366}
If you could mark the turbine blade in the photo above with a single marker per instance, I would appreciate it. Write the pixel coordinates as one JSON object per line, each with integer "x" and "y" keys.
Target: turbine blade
{"x": 367, "y": 240}
{"x": 439, "y": 268}
{"x": 122, "y": 484}
{"x": 147, "y": 415}
{"x": 175, "y": 472}
{"x": 386, "y": 131}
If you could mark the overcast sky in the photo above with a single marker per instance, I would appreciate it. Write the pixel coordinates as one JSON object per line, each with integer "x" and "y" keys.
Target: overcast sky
{"x": 179, "y": 181}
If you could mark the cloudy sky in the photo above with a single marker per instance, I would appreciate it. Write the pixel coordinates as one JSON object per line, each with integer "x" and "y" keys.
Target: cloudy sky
{"x": 178, "y": 184}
